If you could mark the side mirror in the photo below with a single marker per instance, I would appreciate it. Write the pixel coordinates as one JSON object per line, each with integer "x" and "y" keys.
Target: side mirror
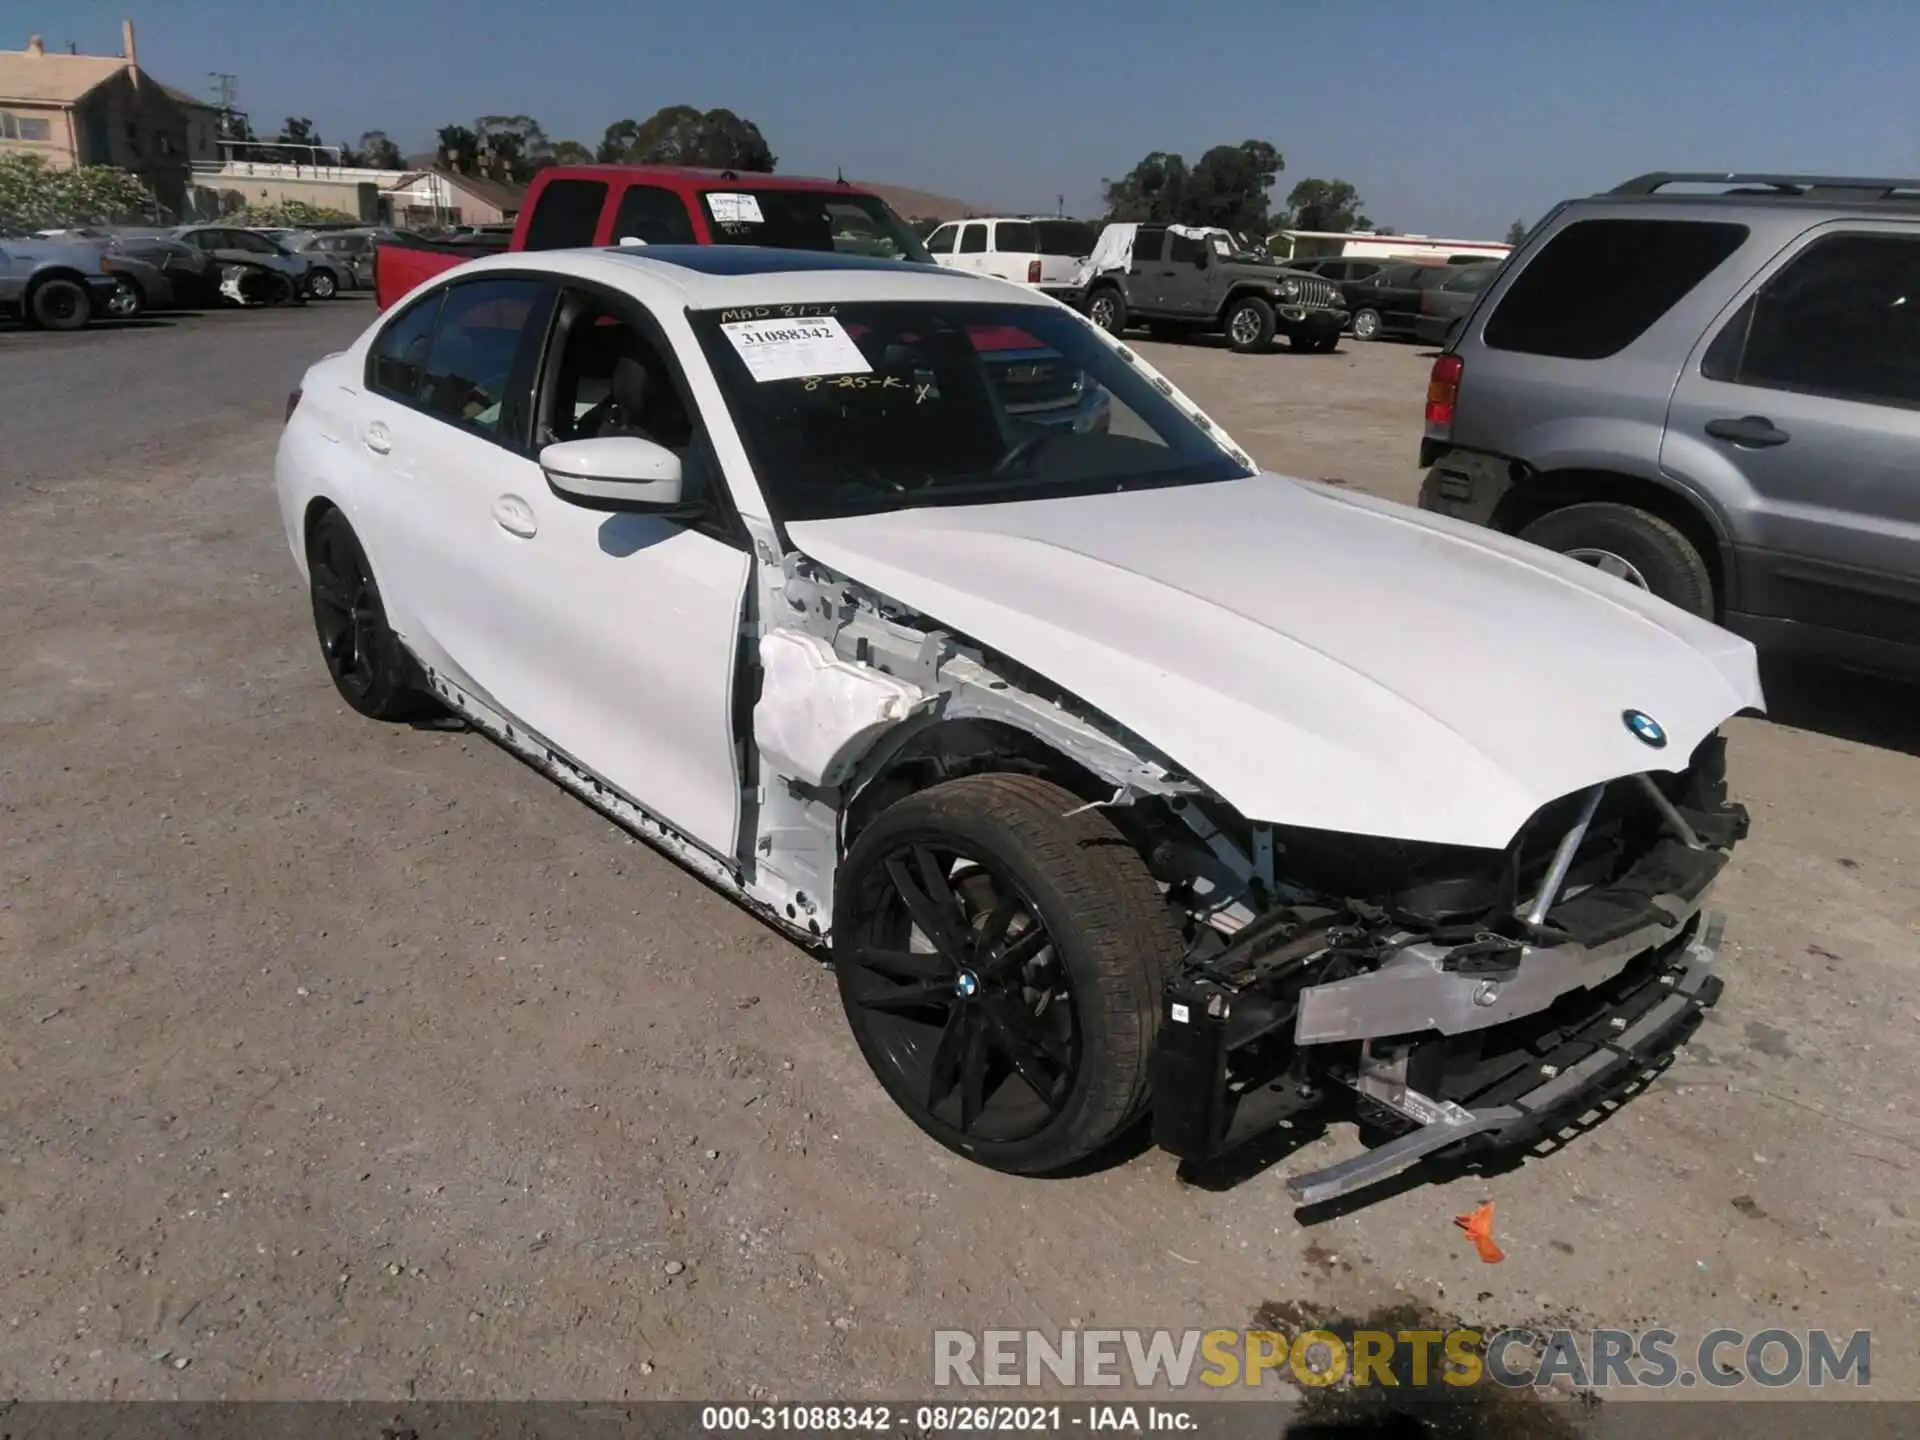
{"x": 617, "y": 472}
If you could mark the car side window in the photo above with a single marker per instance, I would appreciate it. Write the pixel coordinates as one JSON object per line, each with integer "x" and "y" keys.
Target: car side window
{"x": 253, "y": 244}
{"x": 973, "y": 239}
{"x": 1147, "y": 242}
{"x": 652, "y": 214}
{"x": 1186, "y": 250}
{"x": 1842, "y": 320}
{"x": 1015, "y": 237}
{"x": 941, "y": 241}
{"x": 609, "y": 372}
{"x": 398, "y": 357}
{"x": 474, "y": 357}
{"x": 566, "y": 214}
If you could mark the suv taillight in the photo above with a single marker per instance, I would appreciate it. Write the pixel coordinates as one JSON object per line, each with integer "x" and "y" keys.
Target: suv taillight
{"x": 1443, "y": 391}
{"x": 1033, "y": 272}
{"x": 293, "y": 402}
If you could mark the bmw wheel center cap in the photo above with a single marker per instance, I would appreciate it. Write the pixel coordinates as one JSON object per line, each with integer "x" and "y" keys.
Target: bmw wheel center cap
{"x": 1646, "y": 729}
{"x": 968, "y": 985}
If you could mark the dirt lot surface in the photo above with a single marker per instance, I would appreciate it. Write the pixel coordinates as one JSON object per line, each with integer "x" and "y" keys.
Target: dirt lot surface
{"x": 349, "y": 1060}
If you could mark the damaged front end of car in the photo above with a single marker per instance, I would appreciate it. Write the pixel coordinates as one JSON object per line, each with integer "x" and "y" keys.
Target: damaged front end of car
{"x": 1464, "y": 999}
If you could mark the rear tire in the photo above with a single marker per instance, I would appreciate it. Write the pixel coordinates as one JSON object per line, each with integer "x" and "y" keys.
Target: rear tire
{"x": 1107, "y": 308}
{"x": 1249, "y": 325}
{"x": 368, "y": 665}
{"x": 59, "y": 304}
{"x": 1022, "y": 1035}
{"x": 1366, "y": 325}
{"x": 1632, "y": 545}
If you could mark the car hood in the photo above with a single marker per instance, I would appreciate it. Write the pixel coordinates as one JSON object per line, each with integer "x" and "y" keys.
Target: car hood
{"x": 1318, "y": 658}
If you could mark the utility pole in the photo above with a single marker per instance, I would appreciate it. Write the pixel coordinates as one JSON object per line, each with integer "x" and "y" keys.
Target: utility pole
{"x": 1060, "y": 205}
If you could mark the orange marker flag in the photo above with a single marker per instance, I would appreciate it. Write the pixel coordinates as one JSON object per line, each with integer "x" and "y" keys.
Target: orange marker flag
{"x": 1478, "y": 1223}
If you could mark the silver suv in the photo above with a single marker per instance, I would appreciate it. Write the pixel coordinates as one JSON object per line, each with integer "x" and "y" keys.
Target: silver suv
{"x": 1715, "y": 396}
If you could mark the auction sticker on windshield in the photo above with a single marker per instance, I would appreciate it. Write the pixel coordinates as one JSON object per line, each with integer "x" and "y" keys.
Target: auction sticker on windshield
{"x": 727, "y": 205}
{"x": 794, "y": 349}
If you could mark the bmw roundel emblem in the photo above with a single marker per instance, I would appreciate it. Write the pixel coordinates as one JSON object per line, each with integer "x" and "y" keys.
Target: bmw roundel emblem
{"x": 1645, "y": 728}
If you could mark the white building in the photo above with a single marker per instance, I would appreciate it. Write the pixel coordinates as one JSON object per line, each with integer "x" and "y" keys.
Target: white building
{"x": 1365, "y": 245}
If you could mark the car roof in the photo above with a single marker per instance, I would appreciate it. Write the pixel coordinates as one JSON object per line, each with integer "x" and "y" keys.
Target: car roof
{"x": 686, "y": 176}
{"x": 713, "y": 277}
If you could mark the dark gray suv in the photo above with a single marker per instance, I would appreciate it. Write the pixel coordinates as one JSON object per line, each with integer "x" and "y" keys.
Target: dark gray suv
{"x": 1715, "y": 396}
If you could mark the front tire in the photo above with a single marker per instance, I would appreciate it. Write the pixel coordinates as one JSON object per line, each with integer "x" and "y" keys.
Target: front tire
{"x": 1000, "y": 958}
{"x": 1107, "y": 308}
{"x": 129, "y": 301}
{"x": 365, "y": 659}
{"x": 321, "y": 285}
{"x": 1631, "y": 545}
{"x": 1366, "y": 325}
{"x": 59, "y": 304}
{"x": 1249, "y": 325}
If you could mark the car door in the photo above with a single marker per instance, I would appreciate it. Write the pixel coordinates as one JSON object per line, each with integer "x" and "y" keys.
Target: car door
{"x": 940, "y": 246}
{"x": 613, "y": 637}
{"x": 1145, "y": 286}
{"x": 1185, "y": 278}
{"x": 1803, "y": 401}
{"x": 971, "y": 253}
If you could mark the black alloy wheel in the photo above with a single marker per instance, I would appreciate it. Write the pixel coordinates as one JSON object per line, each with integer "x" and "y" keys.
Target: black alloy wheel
{"x": 959, "y": 986}
{"x": 365, "y": 659}
{"x": 1001, "y": 951}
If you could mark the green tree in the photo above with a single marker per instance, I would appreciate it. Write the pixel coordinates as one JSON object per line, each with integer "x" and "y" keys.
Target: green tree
{"x": 1151, "y": 191}
{"x": 458, "y": 150}
{"x": 1325, "y": 205}
{"x": 511, "y": 147}
{"x": 571, "y": 152}
{"x": 378, "y": 152}
{"x": 682, "y": 135}
{"x": 35, "y": 196}
{"x": 1227, "y": 187}
{"x": 1516, "y": 232}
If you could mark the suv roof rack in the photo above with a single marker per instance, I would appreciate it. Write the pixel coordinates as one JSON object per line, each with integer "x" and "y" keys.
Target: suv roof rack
{"x": 1783, "y": 187}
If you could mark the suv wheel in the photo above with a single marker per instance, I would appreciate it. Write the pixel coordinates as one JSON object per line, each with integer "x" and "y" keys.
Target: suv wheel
{"x": 1366, "y": 324}
{"x": 1249, "y": 325}
{"x": 1632, "y": 545}
{"x": 59, "y": 304}
{"x": 1107, "y": 308}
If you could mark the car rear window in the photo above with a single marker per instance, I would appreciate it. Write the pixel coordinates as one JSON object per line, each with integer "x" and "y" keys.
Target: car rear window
{"x": 1598, "y": 285}
{"x": 1065, "y": 237}
{"x": 1015, "y": 237}
{"x": 566, "y": 214}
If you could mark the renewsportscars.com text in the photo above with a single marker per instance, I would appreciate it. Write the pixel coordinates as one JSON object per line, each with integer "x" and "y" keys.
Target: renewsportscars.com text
{"x": 1599, "y": 1359}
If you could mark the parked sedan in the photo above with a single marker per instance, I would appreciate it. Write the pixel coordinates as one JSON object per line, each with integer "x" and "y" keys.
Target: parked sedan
{"x": 158, "y": 272}
{"x": 1386, "y": 306}
{"x": 1108, "y": 770}
{"x": 333, "y": 264}
{"x": 230, "y": 246}
{"x": 1444, "y": 303}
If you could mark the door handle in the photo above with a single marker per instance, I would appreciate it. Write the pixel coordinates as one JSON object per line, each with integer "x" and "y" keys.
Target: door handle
{"x": 515, "y": 516}
{"x": 1749, "y": 432}
{"x": 377, "y": 438}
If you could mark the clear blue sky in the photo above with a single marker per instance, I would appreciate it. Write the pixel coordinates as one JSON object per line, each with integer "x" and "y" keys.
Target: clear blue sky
{"x": 1452, "y": 119}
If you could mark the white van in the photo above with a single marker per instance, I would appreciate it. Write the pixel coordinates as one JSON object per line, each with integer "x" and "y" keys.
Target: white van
{"x": 1043, "y": 252}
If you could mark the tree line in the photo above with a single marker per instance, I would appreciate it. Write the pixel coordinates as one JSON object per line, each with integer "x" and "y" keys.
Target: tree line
{"x": 516, "y": 147}
{"x": 1230, "y": 186}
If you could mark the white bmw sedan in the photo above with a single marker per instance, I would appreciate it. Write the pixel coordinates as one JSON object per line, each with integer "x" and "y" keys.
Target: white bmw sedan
{"x": 1113, "y": 774}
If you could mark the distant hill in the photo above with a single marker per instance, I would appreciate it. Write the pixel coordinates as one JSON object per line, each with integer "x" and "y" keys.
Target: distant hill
{"x": 921, "y": 204}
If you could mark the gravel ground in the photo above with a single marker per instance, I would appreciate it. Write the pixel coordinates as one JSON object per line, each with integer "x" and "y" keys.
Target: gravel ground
{"x": 344, "y": 1060}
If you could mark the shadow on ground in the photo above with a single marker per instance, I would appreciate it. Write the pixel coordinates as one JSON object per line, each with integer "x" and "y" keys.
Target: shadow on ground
{"x": 1846, "y": 704}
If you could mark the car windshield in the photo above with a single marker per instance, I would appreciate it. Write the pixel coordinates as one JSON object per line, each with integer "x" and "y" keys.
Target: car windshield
{"x": 854, "y": 409}
{"x": 853, "y": 224}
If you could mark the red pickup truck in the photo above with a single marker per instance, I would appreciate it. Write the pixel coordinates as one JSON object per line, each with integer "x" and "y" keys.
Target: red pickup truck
{"x": 570, "y": 206}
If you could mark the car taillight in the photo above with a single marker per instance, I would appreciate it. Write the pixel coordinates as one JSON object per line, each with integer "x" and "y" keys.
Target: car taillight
{"x": 1033, "y": 272}
{"x": 293, "y": 401}
{"x": 1443, "y": 391}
